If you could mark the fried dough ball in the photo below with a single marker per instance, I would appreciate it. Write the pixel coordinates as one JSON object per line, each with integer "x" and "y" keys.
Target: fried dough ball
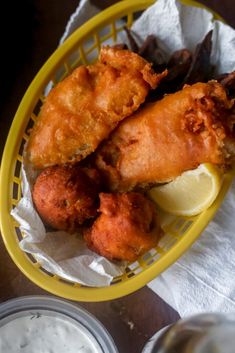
{"x": 66, "y": 196}
{"x": 126, "y": 228}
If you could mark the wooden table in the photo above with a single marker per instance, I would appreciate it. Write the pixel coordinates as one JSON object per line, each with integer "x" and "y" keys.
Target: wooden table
{"x": 37, "y": 27}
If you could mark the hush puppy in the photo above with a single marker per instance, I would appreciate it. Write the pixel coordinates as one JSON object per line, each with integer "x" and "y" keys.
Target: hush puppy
{"x": 66, "y": 196}
{"x": 126, "y": 228}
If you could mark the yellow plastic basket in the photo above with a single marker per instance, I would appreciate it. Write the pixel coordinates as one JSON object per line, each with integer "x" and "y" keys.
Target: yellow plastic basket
{"x": 180, "y": 232}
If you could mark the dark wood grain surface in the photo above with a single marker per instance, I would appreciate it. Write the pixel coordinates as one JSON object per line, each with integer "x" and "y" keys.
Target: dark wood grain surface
{"x": 29, "y": 36}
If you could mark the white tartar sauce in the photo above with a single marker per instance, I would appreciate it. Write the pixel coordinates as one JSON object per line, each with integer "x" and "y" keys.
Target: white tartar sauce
{"x": 45, "y": 334}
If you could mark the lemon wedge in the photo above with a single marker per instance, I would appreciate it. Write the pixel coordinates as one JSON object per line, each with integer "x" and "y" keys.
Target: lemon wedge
{"x": 191, "y": 193}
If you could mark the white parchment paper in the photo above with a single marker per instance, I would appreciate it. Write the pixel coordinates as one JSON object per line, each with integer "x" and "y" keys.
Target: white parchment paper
{"x": 176, "y": 26}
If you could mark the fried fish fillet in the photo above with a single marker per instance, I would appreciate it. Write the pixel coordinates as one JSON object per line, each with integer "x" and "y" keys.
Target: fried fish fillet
{"x": 170, "y": 136}
{"x": 86, "y": 106}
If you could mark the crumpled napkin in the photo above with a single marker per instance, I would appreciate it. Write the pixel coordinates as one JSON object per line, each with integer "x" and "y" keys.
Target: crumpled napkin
{"x": 203, "y": 279}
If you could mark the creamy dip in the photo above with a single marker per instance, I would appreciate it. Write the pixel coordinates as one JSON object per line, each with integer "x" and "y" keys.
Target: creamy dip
{"x": 46, "y": 334}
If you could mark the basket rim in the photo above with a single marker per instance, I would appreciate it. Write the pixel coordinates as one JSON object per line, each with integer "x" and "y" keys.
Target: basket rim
{"x": 51, "y": 284}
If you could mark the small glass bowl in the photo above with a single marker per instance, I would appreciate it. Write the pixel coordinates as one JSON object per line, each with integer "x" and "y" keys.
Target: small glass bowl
{"x": 35, "y": 306}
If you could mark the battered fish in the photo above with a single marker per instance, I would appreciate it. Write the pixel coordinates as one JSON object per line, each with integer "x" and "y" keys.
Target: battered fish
{"x": 170, "y": 136}
{"x": 85, "y": 107}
